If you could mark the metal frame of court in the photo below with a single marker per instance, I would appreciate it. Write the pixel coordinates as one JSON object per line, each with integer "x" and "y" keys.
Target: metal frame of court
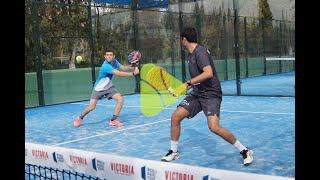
{"x": 134, "y": 8}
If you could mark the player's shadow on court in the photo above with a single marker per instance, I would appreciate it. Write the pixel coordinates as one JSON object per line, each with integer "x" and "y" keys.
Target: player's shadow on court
{"x": 199, "y": 140}
{"x": 89, "y": 123}
{"x": 209, "y": 143}
{"x": 103, "y": 121}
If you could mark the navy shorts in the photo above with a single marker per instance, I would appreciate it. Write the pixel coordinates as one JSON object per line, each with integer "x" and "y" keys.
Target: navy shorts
{"x": 104, "y": 94}
{"x": 193, "y": 104}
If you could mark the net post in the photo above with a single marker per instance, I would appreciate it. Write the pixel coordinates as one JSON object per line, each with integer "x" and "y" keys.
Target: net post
{"x": 236, "y": 48}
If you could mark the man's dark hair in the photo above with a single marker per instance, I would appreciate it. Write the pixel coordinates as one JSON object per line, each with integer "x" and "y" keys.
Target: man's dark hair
{"x": 108, "y": 50}
{"x": 190, "y": 34}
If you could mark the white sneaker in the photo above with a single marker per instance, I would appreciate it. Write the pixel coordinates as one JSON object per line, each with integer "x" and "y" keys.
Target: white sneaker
{"x": 247, "y": 156}
{"x": 170, "y": 156}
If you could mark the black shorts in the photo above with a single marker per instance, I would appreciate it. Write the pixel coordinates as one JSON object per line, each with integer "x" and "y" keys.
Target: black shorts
{"x": 104, "y": 94}
{"x": 194, "y": 104}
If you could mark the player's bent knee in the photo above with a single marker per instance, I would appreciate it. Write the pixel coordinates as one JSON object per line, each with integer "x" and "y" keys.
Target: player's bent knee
{"x": 119, "y": 98}
{"x": 175, "y": 118}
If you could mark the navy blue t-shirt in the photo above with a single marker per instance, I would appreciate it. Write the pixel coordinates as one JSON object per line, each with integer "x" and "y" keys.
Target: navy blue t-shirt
{"x": 198, "y": 59}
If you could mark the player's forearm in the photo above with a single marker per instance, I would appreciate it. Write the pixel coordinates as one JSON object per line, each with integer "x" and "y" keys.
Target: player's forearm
{"x": 123, "y": 74}
{"x": 125, "y": 68}
{"x": 201, "y": 77}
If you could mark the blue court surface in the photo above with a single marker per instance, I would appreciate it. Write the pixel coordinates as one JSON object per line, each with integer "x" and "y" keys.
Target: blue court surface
{"x": 265, "y": 124}
{"x": 281, "y": 84}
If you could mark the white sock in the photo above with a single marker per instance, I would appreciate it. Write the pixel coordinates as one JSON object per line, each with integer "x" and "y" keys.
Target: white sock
{"x": 238, "y": 145}
{"x": 174, "y": 146}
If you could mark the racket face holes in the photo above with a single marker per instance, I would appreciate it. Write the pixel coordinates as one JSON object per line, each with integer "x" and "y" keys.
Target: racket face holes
{"x": 158, "y": 78}
{"x": 134, "y": 56}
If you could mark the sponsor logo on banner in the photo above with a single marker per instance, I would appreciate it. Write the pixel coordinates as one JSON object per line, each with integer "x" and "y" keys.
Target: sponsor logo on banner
{"x": 97, "y": 164}
{"x": 78, "y": 160}
{"x": 173, "y": 175}
{"x": 123, "y": 169}
{"x": 25, "y": 152}
{"x": 210, "y": 177}
{"x": 57, "y": 157}
{"x": 40, "y": 154}
{"x": 148, "y": 173}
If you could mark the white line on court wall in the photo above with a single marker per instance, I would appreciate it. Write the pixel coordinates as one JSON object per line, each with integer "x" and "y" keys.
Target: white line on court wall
{"x": 110, "y": 132}
{"x": 253, "y": 112}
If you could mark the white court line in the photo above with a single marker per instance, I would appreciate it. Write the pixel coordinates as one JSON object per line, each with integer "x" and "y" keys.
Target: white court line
{"x": 253, "y": 112}
{"x": 110, "y": 132}
{"x": 134, "y": 127}
{"x": 122, "y": 106}
{"x": 279, "y": 59}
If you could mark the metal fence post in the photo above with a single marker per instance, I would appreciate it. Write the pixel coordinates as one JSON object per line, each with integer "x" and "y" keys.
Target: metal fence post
{"x": 284, "y": 39}
{"x": 136, "y": 37}
{"x": 182, "y": 53}
{"x": 280, "y": 44}
{"x": 36, "y": 30}
{"x": 264, "y": 47}
{"x": 198, "y": 20}
{"x": 225, "y": 48}
{"x": 236, "y": 48}
{"x": 91, "y": 46}
{"x": 246, "y": 46}
{"x": 171, "y": 51}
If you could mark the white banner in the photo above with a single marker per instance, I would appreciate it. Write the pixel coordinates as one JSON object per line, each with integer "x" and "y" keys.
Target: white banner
{"x": 108, "y": 166}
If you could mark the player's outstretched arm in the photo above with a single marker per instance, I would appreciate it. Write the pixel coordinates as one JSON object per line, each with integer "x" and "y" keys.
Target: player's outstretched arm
{"x": 127, "y": 67}
{"x": 125, "y": 74}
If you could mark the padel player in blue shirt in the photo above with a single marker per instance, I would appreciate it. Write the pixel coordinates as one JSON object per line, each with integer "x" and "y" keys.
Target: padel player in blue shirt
{"x": 103, "y": 87}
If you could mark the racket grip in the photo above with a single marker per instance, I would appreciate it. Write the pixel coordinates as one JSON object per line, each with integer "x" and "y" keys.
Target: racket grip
{"x": 135, "y": 68}
{"x": 180, "y": 90}
{"x": 171, "y": 91}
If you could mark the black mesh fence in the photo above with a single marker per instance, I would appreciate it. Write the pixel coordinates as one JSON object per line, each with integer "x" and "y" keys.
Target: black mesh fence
{"x": 65, "y": 43}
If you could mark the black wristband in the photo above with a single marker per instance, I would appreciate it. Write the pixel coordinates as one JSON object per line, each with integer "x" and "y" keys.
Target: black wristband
{"x": 189, "y": 83}
{"x": 133, "y": 74}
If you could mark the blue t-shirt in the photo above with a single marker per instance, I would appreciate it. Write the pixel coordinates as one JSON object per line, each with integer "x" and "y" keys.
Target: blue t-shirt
{"x": 105, "y": 75}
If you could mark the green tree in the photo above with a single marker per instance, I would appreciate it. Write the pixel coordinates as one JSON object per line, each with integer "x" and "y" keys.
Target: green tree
{"x": 269, "y": 33}
{"x": 264, "y": 10}
{"x": 63, "y": 32}
{"x": 29, "y": 41}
